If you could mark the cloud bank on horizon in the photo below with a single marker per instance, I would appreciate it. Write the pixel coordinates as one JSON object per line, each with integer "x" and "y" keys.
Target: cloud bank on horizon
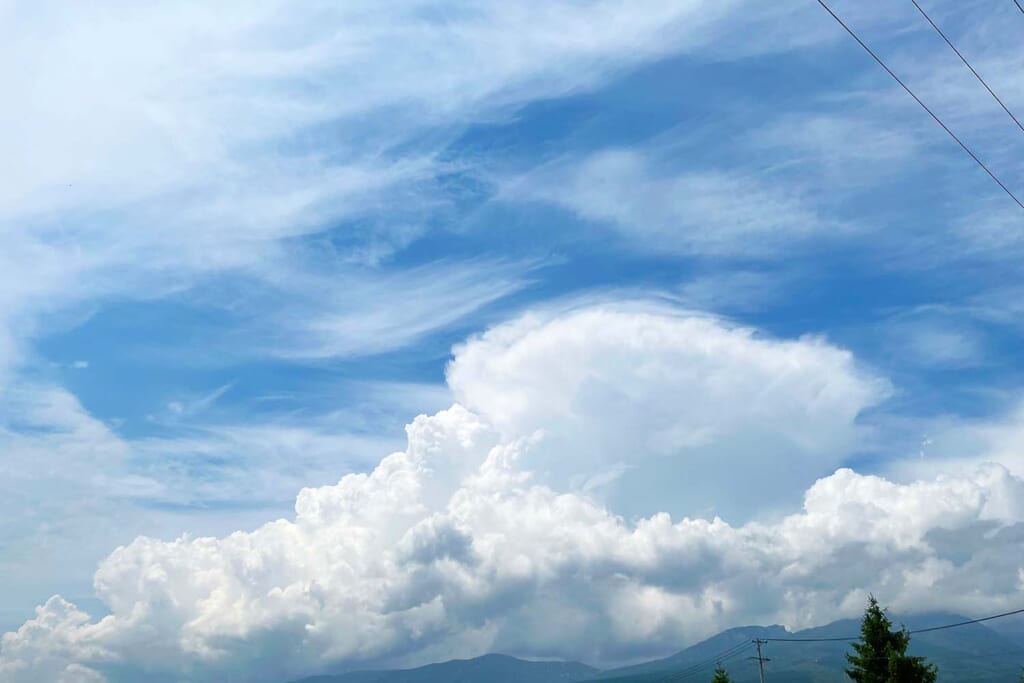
{"x": 703, "y": 321}
{"x": 460, "y": 544}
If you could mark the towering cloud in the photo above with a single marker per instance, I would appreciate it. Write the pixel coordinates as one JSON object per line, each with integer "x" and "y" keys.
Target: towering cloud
{"x": 464, "y": 543}
{"x": 657, "y": 397}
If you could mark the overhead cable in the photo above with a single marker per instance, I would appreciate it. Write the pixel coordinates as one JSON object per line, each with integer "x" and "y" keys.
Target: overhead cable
{"x": 920, "y": 630}
{"x": 968, "y": 65}
{"x": 923, "y": 105}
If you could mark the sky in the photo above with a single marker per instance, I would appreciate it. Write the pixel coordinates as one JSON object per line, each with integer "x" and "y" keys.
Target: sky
{"x": 349, "y": 335}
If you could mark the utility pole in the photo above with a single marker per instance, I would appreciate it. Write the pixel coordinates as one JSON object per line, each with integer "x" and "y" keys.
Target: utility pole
{"x": 761, "y": 660}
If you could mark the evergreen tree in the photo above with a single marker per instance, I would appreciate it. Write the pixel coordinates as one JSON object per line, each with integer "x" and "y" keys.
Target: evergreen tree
{"x": 881, "y": 655}
{"x": 721, "y": 676}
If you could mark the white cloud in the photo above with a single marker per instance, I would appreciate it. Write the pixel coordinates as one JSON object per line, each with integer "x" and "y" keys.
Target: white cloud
{"x": 938, "y": 336}
{"x": 374, "y": 313}
{"x": 990, "y": 231}
{"x": 990, "y": 43}
{"x": 462, "y": 543}
{"x": 53, "y": 454}
{"x": 635, "y": 390}
{"x": 71, "y": 487}
{"x": 956, "y": 445}
{"x": 706, "y": 211}
{"x": 736, "y": 290}
{"x": 158, "y": 146}
{"x": 451, "y": 546}
{"x": 849, "y": 150}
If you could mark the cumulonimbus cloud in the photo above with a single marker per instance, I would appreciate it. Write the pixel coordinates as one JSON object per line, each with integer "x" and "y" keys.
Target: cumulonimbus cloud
{"x": 459, "y": 545}
{"x": 636, "y": 393}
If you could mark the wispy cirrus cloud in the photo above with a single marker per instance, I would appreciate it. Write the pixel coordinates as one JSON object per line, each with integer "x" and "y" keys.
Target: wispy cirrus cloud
{"x": 155, "y": 147}
{"x": 364, "y": 313}
{"x": 695, "y": 211}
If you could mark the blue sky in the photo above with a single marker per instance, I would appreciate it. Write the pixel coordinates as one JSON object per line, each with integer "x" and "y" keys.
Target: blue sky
{"x": 240, "y": 245}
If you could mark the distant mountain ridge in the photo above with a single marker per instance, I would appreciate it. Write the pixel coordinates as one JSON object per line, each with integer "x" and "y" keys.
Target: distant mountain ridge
{"x": 492, "y": 668}
{"x": 967, "y": 654}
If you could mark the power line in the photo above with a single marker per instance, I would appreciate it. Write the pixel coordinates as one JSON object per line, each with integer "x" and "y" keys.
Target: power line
{"x": 923, "y": 105}
{"x": 1019, "y": 6}
{"x": 717, "y": 661}
{"x": 970, "y": 621}
{"x": 699, "y": 667}
{"x": 920, "y": 630}
{"x": 958, "y": 655}
{"x": 693, "y": 669}
{"x": 968, "y": 64}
